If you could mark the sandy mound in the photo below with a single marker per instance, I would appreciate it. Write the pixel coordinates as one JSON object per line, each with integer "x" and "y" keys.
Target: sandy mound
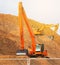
{"x": 10, "y": 38}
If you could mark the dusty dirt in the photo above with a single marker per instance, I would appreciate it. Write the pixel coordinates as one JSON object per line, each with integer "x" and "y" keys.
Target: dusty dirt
{"x": 10, "y": 38}
{"x": 13, "y": 62}
{"x": 45, "y": 62}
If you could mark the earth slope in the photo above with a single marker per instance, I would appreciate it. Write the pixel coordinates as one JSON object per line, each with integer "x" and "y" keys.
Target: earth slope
{"x": 10, "y": 37}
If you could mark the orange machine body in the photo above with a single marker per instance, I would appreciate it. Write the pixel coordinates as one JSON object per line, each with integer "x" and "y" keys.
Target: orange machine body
{"x": 22, "y": 17}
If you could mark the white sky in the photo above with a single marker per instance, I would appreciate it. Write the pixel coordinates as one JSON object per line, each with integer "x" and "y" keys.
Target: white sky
{"x": 45, "y": 11}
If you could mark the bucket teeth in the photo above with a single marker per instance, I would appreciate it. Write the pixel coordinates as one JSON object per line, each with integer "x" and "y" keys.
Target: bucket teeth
{"x": 22, "y": 52}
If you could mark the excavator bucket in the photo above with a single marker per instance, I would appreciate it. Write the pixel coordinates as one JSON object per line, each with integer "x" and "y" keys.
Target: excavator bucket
{"x": 51, "y": 37}
{"x": 22, "y": 52}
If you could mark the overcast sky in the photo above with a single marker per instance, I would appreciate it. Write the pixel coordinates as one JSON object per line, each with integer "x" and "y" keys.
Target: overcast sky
{"x": 44, "y": 11}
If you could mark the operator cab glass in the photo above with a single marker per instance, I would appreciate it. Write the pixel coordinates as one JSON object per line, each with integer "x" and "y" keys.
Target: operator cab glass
{"x": 38, "y": 47}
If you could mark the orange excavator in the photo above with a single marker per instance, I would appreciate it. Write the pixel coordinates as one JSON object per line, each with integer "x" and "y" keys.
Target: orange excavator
{"x": 36, "y": 49}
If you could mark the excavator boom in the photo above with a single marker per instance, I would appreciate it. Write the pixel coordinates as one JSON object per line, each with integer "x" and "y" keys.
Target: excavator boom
{"x": 30, "y": 31}
{"x": 21, "y": 16}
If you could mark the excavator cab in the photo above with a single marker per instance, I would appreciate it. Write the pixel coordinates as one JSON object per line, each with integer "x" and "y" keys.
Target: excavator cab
{"x": 39, "y": 51}
{"x": 39, "y": 47}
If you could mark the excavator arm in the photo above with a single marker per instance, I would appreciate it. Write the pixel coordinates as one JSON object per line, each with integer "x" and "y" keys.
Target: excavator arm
{"x": 53, "y": 26}
{"x": 20, "y": 20}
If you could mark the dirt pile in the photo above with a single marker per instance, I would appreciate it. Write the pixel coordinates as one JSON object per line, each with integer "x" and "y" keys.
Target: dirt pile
{"x": 10, "y": 38}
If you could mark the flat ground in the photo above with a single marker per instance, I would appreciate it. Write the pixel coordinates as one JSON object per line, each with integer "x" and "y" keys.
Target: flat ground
{"x": 45, "y": 62}
{"x": 13, "y": 62}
